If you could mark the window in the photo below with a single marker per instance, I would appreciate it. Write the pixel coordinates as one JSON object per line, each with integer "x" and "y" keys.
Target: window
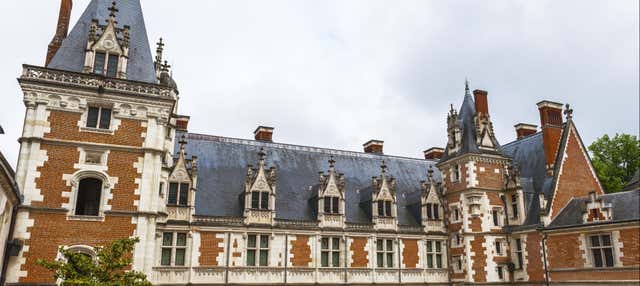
{"x": 161, "y": 189}
{"x": 601, "y": 250}
{"x": 174, "y": 248}
{"x": 384, "y": 208}
{"x": 433, "y": 211}
{"x": 330, "y": 252}
{"x": 514, "y": 205}
{"x": 495, "y": 214}
{"x": 498, "y": 246}
{"x": 99, "y": 117}
{"x": 500, "y": 270}
{"x": 258, "y": 250}
{"x": 88, "y": 197}
{"x": 260, "y": 200}
{"x": 178, "y": 194}
{"x": 457, "y": 263}
{"x": 519, "y": 253}
{"x": 455, "y": 176}
{"x": 456, "y": 239}
{"x": 456, "y": 213}
{"x": 331, "y": 205}
{"x": 384, "y": 253}
{"x": 434, "y": 254}
{"x": 111, "y": 61}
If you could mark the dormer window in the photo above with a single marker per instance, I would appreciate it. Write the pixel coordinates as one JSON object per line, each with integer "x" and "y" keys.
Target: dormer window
{"x": 514, "y": 206}
{"x": 106, "y": 64}
{"x": 384, "y": 208}
{"x": 331, "y": 205}
{"x": 260, "y": 200}
{"x": 178, "y": 194}
{"x": 99, "y": 117}
{"x": 433, "y": 211}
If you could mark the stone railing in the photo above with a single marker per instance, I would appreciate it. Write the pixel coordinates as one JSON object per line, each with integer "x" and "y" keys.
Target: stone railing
{"x": 359, "y": 227}
{"x": 41, "y": 74}
{"x": 179, "y": 213}
{"x": 218, "y": 220}
{"x": 286, "y": 223}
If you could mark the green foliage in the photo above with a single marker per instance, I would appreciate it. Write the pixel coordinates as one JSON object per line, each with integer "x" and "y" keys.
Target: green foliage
{"x": 109, "y": 268}
{"x": 615, "y": 160}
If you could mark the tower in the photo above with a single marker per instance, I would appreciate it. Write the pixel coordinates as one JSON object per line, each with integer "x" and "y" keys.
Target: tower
{"x": 96, "y": 149}
{"x": 473, "y": 174}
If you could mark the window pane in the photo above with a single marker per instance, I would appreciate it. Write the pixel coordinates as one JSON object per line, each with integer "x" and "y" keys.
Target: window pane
{"x": 264, "y": 201}
{"x": 88, "y": 198}
{"x": 252, "y": 241}
{"x": 105, "y": 118}
{"x": 387, "y": 207}
{"x": 98, "y": 66}
{"x": 438, "y": 261}
{"x": 166, "y": 257}
{"x": 429, "y": 215}
{"x": 255, "y": 200}
{"x": 325, "y": 259}
{"x": 335, "y": 243}
{"x": 327, "y": 204}
{"x": 389, "y": 245}
{"x": 181, "y": 240}
{"x": 608, "y": 257}
{"x": 335, "y": 260}
{"x": 180, "y": 257}
{"x": 389, "y": 260}
{"x": 597, "y": 257}
{"x": 429, "y": 261}
{"x": 379, "y": 259}
{"x": 112, "y": 67}
{"x": 251, "y": 258}
{"x": 495, "y": 218}
{"x": 264, "y": 255}
{"x": 92, "y": 117}
{"x": 167, "y": 239}
{"x": 379, "y": 245}
{"x": 518, "y": 244}
{"x": 436, "y": 212}
{"x": 173, "y": 194}
{"x": 380, "y": 208}
{"x": 264, "y": 241}
{"x": 595, "y": 241}
{"x": 429, "y": 246}
{"x": 184, "y": 194}
{"x": 438, "y": 246}
{"x": 606, "y": 240}
{"x": 334, "y": 205}
{"x": 325, "y": 243}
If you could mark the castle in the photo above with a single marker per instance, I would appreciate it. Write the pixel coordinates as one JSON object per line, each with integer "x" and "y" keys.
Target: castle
{"x": 105, "y": 155}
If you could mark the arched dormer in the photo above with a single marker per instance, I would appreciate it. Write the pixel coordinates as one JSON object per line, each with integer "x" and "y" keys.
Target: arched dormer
{"x": 384, "y": 204}
{"x": 331, "y": 204}
{"x": 431, "y": 205}
{"x": 182, "y": 182}
{"x": 260, "y": 193}
{"x": 107, "y": 50}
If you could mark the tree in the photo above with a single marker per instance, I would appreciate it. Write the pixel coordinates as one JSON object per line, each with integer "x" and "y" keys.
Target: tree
{"x": 615, "y": 160}
{"x": 108, "y": 268}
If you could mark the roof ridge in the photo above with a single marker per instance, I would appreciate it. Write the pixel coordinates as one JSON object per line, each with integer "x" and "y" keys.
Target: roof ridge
{"x": 522, "y": 139}
{"x": 298, "y": 147}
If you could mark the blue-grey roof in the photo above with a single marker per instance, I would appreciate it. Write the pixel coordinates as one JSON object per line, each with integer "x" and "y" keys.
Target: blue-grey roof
{"x": 624, "y": 207}
{"x": 70, "y": 56}
{"x": 222, "y": 167}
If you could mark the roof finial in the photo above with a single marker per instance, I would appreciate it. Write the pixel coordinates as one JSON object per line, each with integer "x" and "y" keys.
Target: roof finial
{"x": 568, "y": 112}
{"x": 165, "y": 66}
{"x": 430, "y": 173}
{"x": 182, "y": 142}
{"x": 261, "y": 155}
{"x": 113, "y": 10}
{"x": 331, "y": 161}
{"x": 383, "y": 167}
{"x": 466, "y": 85}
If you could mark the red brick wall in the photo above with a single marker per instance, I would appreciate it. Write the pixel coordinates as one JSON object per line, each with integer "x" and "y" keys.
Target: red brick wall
{"x": 410, "y": 253}
{"x": 210, "y": 248}
{"x": 300, "y": 251}
{"x": 357, "y": 247}
{"x": 631, "y": 275}
{"x": 479, "y": 260}
{"x": 64, "y": 125}
{"x": 489, "y": 179}
{"x": 535, "y": 268}
{"x": 630, "y": 239}
{"x": 563, "y": 251}
{"x": 575, "y": 178}
{"x": 60, "y": 161}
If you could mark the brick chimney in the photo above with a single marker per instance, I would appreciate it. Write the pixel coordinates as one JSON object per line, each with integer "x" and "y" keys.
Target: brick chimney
{"x": 433, "y": 153}
{"x": 61, "y": 30}
{"x": 373, "y": 146}
{"x": 182, "y": 122}
{"x": 524, "y": 129}
{"x": 551, "y": 124}
{"x": 480, "y": 98}
{"x": 263, "y": 133}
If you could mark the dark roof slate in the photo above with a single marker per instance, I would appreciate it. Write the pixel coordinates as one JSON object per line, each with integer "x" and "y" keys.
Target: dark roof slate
{"x": 222, "y": 164}
{"x": 71, "y": 55}
{"x": 624, "y": 206}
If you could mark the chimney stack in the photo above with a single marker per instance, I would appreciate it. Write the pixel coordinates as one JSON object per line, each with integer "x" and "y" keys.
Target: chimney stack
{"x": 480, "y": 98}
{"x": 61, "y": 30}
{"x": 373, "y": 146}
{"x": 551, "y": 124}
{"x": 182, "y": 122}
{"x": 433, "y": 153}
{"x": 524, "y": 129}
{"x": 264, "y": 133}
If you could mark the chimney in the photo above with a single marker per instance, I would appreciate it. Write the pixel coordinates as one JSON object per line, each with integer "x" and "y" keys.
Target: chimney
{"x": 264, "y": 133}
{"x": 524, "y": 129}
{"x": 373, "y": 146}
{"x": 182, "y": 122}
{"x": 551, "y": 124}
{"x": 61, "y": 30}
{"x": 433, "y": 153}
{"x": 480, "y": 98}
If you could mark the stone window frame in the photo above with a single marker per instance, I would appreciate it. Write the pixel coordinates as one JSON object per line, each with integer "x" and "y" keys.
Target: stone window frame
{"x": 334, "y": 205}
{"x": 500, "y": 247}
{"x": 261, "y": 196}
{"x": 85, "y": 114}
{"x": 173, "y": 247}
{"x": 435, "y": 208}
{"x": 434, "y": 253}
{"x": 452, "y": 217}
{"x": 456, "y": 172}
{"x": 258, "y": 249}
{"x": 500, "y": 270}
{"x": 497, "y": 217}
{"x": 385, "y": 251}
{"x": 385, "y": 203}
{"x": 179, "y": 183}
{"x": 104, "y": 194}
{"x": 612, "y": 245}
{"x": 457, "y": 262}
{"x": 78, "y": 248}
{"x": 518, "y": 250}
{"x": 331, "y": 251}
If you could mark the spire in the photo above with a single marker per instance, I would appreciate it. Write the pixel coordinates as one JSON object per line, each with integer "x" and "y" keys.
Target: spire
{"x": 71, "y": 54}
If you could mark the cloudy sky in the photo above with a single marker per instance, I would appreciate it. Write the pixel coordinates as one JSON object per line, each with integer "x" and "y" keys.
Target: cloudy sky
{"x": 337, "y": 73}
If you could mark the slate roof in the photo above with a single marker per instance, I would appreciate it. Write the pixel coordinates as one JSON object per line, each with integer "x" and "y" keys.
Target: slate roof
{"x": 624, "y": 206}
{"x": 222, "y": 166}
{"x": 70, "y": 56}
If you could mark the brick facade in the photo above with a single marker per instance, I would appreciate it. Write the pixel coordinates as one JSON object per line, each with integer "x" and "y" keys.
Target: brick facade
{"x": 300, "y": 251}
{"x": 210, "y": 248}
{"x": 359, "y": 254}
{"x": 410, "y": 253}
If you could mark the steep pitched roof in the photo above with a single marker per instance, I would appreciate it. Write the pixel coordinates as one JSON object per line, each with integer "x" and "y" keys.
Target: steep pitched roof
{"x": 624, "y": 206}
{"x": 222, "y": 170}
{"x": 71, "y": 55}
